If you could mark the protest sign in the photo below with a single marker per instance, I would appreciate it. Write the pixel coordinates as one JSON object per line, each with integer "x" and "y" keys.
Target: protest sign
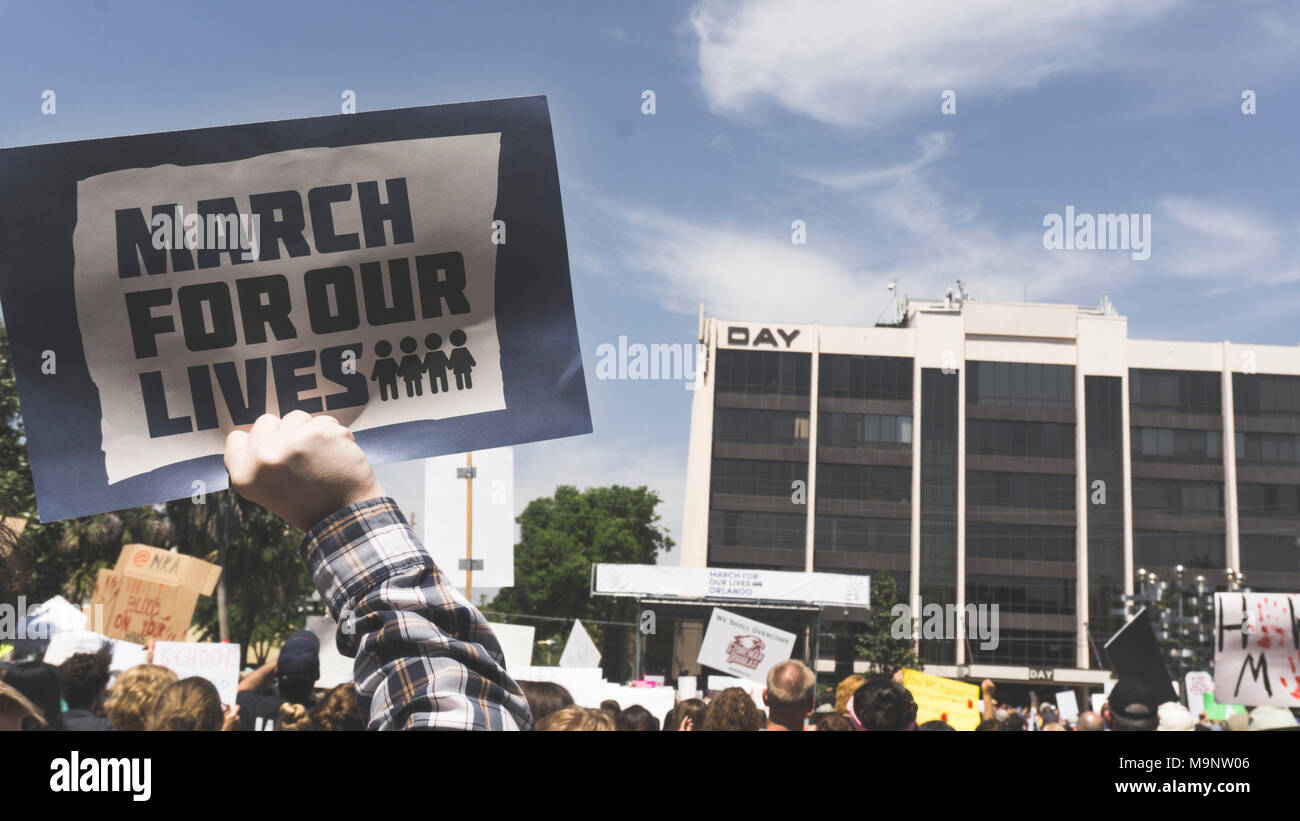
{"x": 579, "y": 650}
{"x": 68, "y": 643}
{"x": 953, "y": 702}
{"x": 1256, "y": 647}
{"x": 583, "y": 683}
{"x": 1068, "y": 705}
{"x": 516, "y": 642}
{"x": 686, "y": 687}
{"x": 1219, "y": 712}
{"x": 335, "y": 668}
{"x": 151, "y": 593}
{"x": 218, "y": 663}
{"x": 403, "y": 271}
{"x": 1098, "y": 701}
{"x": 1195, "y": 684}
{"x": 743, "y": 647}
{"x": 1134, "y": 653}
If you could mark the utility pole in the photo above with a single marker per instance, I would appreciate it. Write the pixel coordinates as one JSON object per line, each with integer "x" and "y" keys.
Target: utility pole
{"x": 467, "y": 563}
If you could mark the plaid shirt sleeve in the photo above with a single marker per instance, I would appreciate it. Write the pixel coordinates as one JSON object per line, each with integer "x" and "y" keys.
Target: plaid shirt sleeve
{"x": 425, "y": 657}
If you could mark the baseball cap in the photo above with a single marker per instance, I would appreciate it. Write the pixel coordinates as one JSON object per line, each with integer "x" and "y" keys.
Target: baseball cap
{"x": 299, "y": 659}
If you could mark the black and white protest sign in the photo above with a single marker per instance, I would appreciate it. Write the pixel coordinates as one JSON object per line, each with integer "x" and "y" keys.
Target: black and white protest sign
{"x": 403, "y": 271}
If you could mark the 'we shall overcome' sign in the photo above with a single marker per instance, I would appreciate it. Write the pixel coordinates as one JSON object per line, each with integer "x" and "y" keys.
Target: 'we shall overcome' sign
{"x": 403, "y": 271}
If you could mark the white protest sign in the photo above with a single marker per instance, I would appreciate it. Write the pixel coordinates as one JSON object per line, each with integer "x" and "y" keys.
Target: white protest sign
{"x": 1198, "y": 683}
{"x": 218, "y": 663}
{"x": 579, "y": 650}
{"x": 1098, "y": 700}
{"x": 743, "y": 647}
{"x": 66, "y": 643}
{"x": 335, "y": 668}
{"x": 686, "y": 687}
{"x": 516, "y": 642}
{"x": 127, "y": 654}
{"x": 1256, "y": 643}
{"x": 1068, "y": 705}
{"x": 583, "y": 683}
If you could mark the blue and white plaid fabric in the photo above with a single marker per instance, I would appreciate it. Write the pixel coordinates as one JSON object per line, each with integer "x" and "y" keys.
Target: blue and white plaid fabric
{"x": 425, "y": 657}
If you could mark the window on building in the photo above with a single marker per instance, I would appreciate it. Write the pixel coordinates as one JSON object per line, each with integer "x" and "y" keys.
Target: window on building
{"x": 1175, "y": 445}
{"x": 1021, "y": 384}
{"x": 864, "y": 430}
{"x": 1184, "y": 391}
{"x": 865, "y": 377}
{"x": 760, "y": 427}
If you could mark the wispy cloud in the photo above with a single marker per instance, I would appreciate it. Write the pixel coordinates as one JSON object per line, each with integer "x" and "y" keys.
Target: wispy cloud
{"x": 853, "y": 62}
{"x": 934, "y": 146}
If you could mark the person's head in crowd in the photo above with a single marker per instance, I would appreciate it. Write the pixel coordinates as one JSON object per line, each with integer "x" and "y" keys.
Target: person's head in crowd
{"x": 1174, "y": 717}
{"x": 1055, "y": 726}
{"x": 298, "y": 667}
{"x": 39, "y": 683}
{"x": 1014, "y": 722}
{"x": 845, "y": 690}
{"x": 687, "y": 715}
{"x": 292, "y": 717}
{"x": 832, "y": 722}
{"x": 337, "y": 710}
{"x": 575, "y": 718}
{"x": 610, "y": 706}
{"x": 935, "y": 726}
{"x": 544, "y": 697}
{"x": 16, "y": 710}
{"x": 790, "y": 695}
{"x": 84, "y": 677}
{"x": 637, "y": 719}
{"x": 1090, "y": 722}
{"x": 732, "y": 710}
{"x": 988, "y": 725}
{"x": 882, "y": 705}
{"x": 1133, "y": 706}
{"x": 189, "y": 704}
{"x": 1272, "y": 718}
{"x": 133, "y": 694}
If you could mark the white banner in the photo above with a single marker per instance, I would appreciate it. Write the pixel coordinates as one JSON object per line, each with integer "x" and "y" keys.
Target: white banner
{"x": 494, "y": 516}
{"x": 723, "y": 583}
{"x": 1256, "y": 639}
{"x": 743, "y": 647}
{"x": 218, "y": 663}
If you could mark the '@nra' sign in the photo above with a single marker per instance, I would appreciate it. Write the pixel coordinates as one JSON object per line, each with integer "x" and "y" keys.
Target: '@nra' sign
{"x": 770, "y": 337}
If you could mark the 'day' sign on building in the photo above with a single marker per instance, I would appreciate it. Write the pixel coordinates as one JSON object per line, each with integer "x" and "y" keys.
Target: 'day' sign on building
{"x": 403, "y": 271}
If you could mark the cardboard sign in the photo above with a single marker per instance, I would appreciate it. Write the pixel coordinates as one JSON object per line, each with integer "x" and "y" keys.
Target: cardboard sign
{"x": 955, "y": 703}
{"x": 151, "y": 593}
{"x": 1257, "y": 649}
{"x": 1133, "y": 652}
{"x": 743, "y": 647}
{"x": 403, "y": 271}
{"x": 579, "y": 650}
{"x": 218, "y": 663}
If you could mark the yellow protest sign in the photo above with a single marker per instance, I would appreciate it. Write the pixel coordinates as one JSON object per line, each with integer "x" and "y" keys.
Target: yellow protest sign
{"x": 945, "y": 699}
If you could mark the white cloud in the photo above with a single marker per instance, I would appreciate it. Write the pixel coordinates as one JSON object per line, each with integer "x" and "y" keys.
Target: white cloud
{"x": 934, "y": 146}
{"x": 868, "y": 61}
{"x": 1229, "y": 247}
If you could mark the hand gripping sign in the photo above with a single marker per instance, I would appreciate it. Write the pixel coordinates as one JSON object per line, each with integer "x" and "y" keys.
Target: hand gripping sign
{"x": 403, "y": 271}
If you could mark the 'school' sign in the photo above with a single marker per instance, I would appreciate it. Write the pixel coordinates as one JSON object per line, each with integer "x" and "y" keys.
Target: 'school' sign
{"x": 403, "y": 271}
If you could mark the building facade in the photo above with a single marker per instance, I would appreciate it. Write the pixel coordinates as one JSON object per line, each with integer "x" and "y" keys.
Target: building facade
{"x": 1026, "y": 455}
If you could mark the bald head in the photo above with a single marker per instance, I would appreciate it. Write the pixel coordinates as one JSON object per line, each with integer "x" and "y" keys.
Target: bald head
{"x": 790, "y": 686}
{"x": 1091, "y": 722}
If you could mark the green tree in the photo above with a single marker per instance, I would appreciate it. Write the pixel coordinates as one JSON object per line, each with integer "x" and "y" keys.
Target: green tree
{"x": 877, "y": 645}
{"x": 562, "y": 536}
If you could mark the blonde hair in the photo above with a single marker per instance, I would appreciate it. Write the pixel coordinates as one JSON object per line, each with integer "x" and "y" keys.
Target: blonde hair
{"x": 293, "y": 717}
{"x": 189, "y": 704}
{"x": 337, "y": 710}
{"x": 845, "y": 690}
{"x": 578, "y": 718}
{"x": 129, "y": 702}
{"x": 14, "y": 703}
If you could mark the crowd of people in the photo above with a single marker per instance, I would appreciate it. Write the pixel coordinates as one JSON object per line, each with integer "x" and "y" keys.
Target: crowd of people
{"x": 427, "y": 659}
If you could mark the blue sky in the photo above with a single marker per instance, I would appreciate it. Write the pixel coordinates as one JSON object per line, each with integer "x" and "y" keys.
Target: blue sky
{"x": 765, "y": 113}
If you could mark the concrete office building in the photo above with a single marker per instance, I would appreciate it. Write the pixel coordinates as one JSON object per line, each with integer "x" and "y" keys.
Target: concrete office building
{"x": 1028, "y": 455}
